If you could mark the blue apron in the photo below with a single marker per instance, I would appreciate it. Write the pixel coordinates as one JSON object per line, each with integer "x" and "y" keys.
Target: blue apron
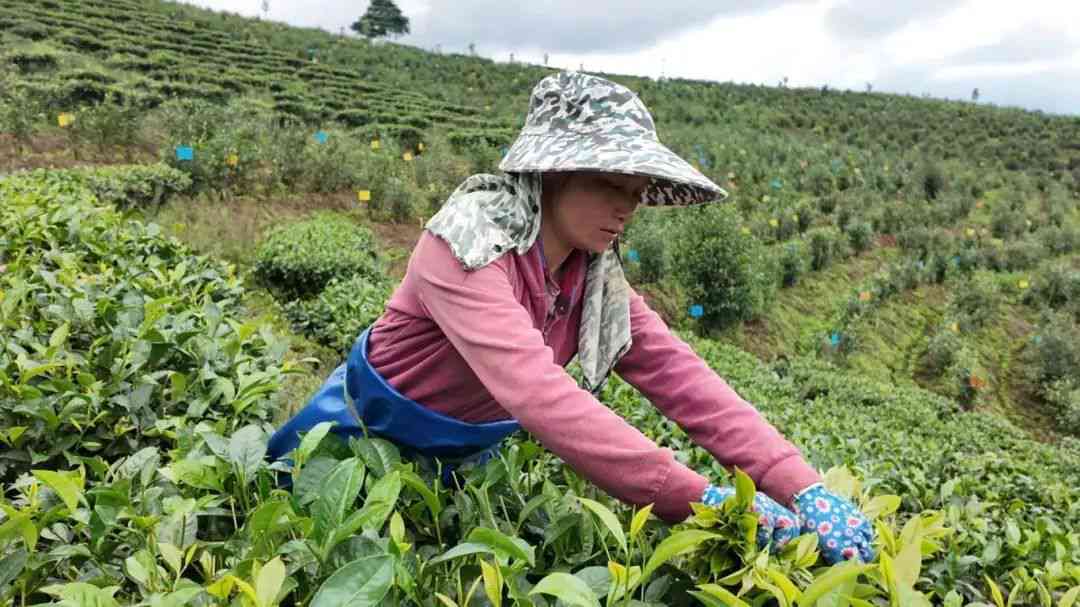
{"x": 356, "y": 394}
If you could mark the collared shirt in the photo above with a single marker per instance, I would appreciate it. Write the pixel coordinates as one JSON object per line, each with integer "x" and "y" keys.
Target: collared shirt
{"x": 491, "y": 343}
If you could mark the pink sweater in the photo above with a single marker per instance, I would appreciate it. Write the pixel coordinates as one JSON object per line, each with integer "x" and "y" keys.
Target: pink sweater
{"x": 491, "y": 344}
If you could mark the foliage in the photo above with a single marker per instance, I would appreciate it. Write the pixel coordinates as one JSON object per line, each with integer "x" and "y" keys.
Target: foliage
{"x": 299, "y": 259}
{"x": 729, "y": 274}
{"x": 382, "y": 18}
{"x": 341, "y": 311}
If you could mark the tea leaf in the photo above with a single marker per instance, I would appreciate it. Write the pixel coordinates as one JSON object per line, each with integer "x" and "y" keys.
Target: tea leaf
{"x": 674, "y": 545}
{"x": 834, "y": 577}
{"x": 247, "y": 450}
{"x": 311, "y": 440}
{"x": 608, "y": 518}
{"x": 336, "y": 496}
{"x": 361, "y": 583}
{"x": 566, "y": 588}
{"x": 1069, "y": 598}
{"x": 68, "y": 485}
{"x": 461, "y": 550}
{"x": 492, "y": 582}
{"x": 502, "y": 544}
{"x": 638, "y": 522}
{"x": 719, "y": 592}
{"x": 994, "y": 592}
{"x": 83, "y": 594}
{"x": 269, "y": 581}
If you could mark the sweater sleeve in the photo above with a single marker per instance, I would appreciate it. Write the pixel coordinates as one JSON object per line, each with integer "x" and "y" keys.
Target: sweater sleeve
{"x": 676, "y": 381}
{"x": 478, "y": 313}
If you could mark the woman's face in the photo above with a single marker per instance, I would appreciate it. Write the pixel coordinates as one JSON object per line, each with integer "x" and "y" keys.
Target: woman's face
{"x": 589, "y": 211}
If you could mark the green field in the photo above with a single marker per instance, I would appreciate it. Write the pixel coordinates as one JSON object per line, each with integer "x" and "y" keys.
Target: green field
{"x": 895, "y": 284}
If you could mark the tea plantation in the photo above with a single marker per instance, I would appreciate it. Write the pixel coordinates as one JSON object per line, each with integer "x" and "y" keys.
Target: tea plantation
{"x": 199, "y": 212}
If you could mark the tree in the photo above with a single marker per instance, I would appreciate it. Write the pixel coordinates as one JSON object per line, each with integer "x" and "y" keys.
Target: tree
{"x": 382, "y": 18}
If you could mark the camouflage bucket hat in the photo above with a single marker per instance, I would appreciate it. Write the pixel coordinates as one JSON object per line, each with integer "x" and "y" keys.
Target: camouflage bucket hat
{"x": 578, "y": 122}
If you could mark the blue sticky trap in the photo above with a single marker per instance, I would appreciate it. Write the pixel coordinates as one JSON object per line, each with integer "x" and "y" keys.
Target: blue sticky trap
{"x": 185, "y": 152}
{"x": 633, "y": 256}
{"x": 956, "y": 260}
{"x": 834, "y": 339}
{"x": 504, "y": 150}
{"x": 1037, "y": 339}
{"x": 696, "y": 311}
{"x": 321, "y": 136}
{"x": 776, "y": 184}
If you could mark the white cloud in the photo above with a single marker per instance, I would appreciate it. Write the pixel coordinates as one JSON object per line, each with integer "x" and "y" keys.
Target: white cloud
{"x": 915, "y": 46}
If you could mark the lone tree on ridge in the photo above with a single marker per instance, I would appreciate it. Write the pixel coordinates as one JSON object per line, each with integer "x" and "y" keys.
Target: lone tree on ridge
{"x": 383, "y": 18}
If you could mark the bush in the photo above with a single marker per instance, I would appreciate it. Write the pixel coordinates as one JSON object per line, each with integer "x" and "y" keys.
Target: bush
{"x": 728, "y": 273}
{"x": 1064, "y": 396}
{"x": 1056, "y": 287}
{"x": 111, "y": 122}
{"x": 825, "y": 246}
{"x": 342, "y": 311}
{"x": 932, "y": 180}
{"x": 1006, "y": 222}
{"x": 793, "y": 262}
{"x": 1055, "y": 353}
{"x": 299, "y": 259}
{"x": 650, "y": 238}
{"x": 941, "y": 351}
{"x": 1060, "y": 240}
{"x": 975, "y": 302}
{"x": 860, "y": 235}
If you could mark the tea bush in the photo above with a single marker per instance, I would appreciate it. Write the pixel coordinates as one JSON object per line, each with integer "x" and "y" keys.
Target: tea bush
{"x": 860, "y": 235}
{"x": 941, "y": 351}
{"x": 113, "y": 334}
{"x": 650, "y": 237}
{"x": 297, "y": 260}
{"x": 729, "y": 274}
{"x": 341, "y": 311}
{"x": 975, "y": 302}
{"x": 1055, "y": 355}
{"x": 794, "y": 261}
{"x": 826, "y": 246}
{"x": 1064, "y": 396}
{"x": 1057, "y": 287}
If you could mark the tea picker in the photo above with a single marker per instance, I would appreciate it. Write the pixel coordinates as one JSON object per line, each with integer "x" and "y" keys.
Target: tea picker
{"x": 520, "y": 272}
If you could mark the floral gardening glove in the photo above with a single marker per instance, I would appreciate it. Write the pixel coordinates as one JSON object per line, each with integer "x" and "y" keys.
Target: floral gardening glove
{"x": 843, "y": 532}
{"x": 775, "y": 522}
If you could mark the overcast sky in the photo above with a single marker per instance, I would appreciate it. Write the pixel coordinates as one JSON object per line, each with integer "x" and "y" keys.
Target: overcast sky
{"x": 1016, "y": 53}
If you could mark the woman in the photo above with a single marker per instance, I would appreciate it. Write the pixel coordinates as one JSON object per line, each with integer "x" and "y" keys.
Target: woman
{"x": 515, "y": 276}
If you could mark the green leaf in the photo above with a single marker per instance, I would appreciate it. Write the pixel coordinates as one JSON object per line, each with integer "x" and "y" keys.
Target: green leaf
{"x": 834, "y": 577}
{"x": 502, "y": 544}
{"x": 995, "y": 592}
{"x": 1069, "y": 598}
{"x": 464, "y": 549}
{"x": 607, "y": 518}
{"x": 68, "y": 485}
{"x": 82, "y": 594}
{"x": 674, "y": 545}
{"x": 744, "y": 489}
{"x": 566, "y": 588}
{"x": 269, "y": 581}
{"x": 337, "y": 496}
{"x": 493, "y": 582}
{"x": 172, "y": 556}
{"x": 361, "y": 583}
{"x": 380, "y": 455}
{"x": 379, "y": 504}
{"x": 882, "y": 505}
{"x": 908, "y": 563}
{"x": 414, "y": 481}
{"x": 638, "y": 522}
{"x": 726, "y": 597}
{"x": 11, "y": 566}
{"x": 311, "y": 440}
{"x": 247, "y": 450}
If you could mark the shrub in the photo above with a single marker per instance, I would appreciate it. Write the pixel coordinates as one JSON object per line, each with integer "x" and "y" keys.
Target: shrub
{"x": 1006, "y": 222}
{"x": 342, "y": 310}
{"x": 650, "y": 238}
{"x": 793, "y": 262}
{"x": 1055, "y": 354}
{"x": 299, "y": 259}
{"x": 932, "y": 180}
{"x": 941, "y": 351}
{"x": 860, "y": 235}
{"x": 975, "y": 302}
{"x": 111, "y": 122}
{"x": 825, "y": 246}
{"x": 1060, "y": 240}
{"x": 1057, "y": 286}
{"x": 1064, "y": 396}
{"x": 728, "y": 273}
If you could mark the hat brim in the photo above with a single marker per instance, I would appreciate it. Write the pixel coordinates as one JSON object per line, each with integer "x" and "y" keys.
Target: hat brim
{"x": 674, "y": 181}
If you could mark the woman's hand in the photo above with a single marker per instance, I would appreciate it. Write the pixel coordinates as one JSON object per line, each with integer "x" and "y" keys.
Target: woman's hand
{"x": 776, "y": 524}
{"x": 843, "y": 532}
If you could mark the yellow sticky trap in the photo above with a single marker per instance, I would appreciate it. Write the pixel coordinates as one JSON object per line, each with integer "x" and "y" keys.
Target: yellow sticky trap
{"x": 407, "y": 156}
{"x": 232, "y": 160}
{"x": 774, "y": 223}
{"x": 363, "y": 195}
{"x": 970, "y": 233}
{"x": 745, "y": 230}
{"x": 65, "y": 119}
{"x": 795, "y": 218}
{"x": 420, "y": 146}
{"x": 955, "y": 327}
{"x": 864, "y": 296}
{"x": 1023, "y": 284}
{"x": 374, "y": 144}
